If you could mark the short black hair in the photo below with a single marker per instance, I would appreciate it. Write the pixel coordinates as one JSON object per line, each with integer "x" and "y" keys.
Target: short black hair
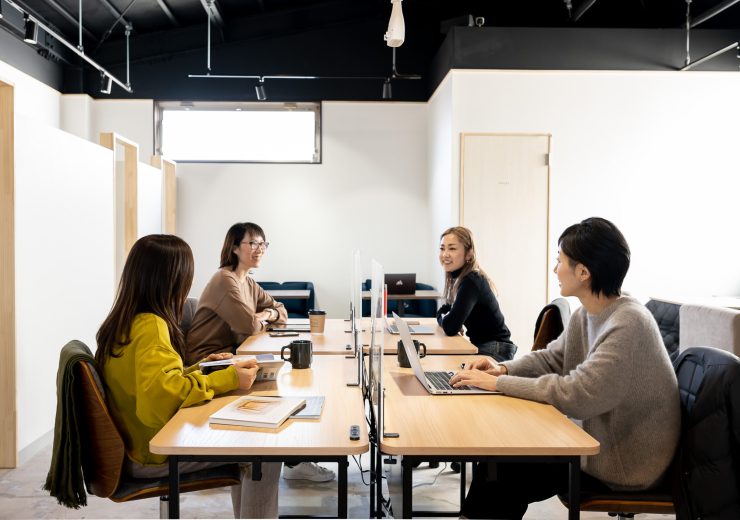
{"x": 601, "y": 247}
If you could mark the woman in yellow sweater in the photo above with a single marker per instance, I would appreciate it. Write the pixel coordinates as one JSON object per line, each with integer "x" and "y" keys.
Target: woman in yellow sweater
{"x": 146, "y": 380}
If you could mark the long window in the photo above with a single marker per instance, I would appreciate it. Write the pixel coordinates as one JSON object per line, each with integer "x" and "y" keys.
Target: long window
{"x": 238, "y": 132}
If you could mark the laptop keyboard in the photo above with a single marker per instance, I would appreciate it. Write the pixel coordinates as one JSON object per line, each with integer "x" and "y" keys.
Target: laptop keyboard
{"x": 441, "y": 381}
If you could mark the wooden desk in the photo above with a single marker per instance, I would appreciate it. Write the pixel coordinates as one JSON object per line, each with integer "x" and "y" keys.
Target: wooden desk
{"x": 470, "y": 428}
{"x": 295, "y": 294}
{"x": 188, "y": 436}
{"x": 336, "y": 338}
{"x": 418, "y": 295}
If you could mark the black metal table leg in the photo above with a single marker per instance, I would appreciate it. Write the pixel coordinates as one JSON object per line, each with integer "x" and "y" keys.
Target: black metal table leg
{"x": 574, "y": 489}
{"x": 342, "y": 489}
{"x": 463, "y": 467}
{"x": 174, "y": 505}
{"x": 407, "y": 481}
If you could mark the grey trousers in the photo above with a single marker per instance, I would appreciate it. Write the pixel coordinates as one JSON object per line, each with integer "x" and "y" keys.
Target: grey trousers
{"x": 250, "y": 499}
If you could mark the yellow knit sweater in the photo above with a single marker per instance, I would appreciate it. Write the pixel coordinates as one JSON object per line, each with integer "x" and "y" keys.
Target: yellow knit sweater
{"x": 148, "y": 384}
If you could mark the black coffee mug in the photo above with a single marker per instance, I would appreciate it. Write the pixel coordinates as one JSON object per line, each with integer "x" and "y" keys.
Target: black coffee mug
{"x": 301, "y": 353}
{"x": 403, "y": 359}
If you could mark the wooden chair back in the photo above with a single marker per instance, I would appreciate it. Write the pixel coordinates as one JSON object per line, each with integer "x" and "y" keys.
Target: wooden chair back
{"x": 103, "y": 448}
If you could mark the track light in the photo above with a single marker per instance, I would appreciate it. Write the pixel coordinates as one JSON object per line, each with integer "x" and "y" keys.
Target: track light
{"x": 387, "y": 94}
{"x": 31, "y": 31}
{"x": 106, "y": 82}
{"x": 396, "y": 32}
{"x": 1, "y": 9}
{"x": 259, "y": 88}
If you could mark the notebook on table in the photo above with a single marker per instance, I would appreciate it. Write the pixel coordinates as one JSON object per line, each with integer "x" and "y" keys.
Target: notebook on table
{"x": 413, "y": 329}
{"x": 436, "y": 382}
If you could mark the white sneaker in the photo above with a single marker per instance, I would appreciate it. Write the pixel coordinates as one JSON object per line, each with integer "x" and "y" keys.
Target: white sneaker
{"x": 308, "y": 471}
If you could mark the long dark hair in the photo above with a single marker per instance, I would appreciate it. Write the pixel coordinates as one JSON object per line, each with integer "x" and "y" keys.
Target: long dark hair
{"x": 234, "y": 237}
{"x": 156, "y": 278}
{"x": 465, "y": 236}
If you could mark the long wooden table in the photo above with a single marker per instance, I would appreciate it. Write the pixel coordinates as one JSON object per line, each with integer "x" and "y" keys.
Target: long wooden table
{"x": 472, "y": 427}
{"x": 336, "y": 339}
{"x": 188, "y": 436}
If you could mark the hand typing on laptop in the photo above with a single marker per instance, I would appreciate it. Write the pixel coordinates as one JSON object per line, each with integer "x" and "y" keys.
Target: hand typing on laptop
{"x": 487, "y": 365}
{"x": 481, "y": 373}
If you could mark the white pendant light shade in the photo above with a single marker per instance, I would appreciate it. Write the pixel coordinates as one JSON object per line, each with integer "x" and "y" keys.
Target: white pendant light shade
{"x": 396, "y": 32}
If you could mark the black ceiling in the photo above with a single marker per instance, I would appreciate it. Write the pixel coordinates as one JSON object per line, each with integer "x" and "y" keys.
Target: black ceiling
{"x": 306, "y": 37}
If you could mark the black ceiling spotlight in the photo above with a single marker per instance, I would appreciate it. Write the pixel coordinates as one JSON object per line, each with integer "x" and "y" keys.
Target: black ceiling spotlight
{"x": 259, "y": 88}
{"x": 106, "y": 82}
{"x": 1, "y": 9}
{"x": 30, "y": 31}
{"x": 387, "y": 94}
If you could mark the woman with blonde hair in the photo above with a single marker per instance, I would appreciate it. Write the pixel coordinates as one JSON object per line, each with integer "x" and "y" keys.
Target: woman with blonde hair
{"x": 469, "y": 297}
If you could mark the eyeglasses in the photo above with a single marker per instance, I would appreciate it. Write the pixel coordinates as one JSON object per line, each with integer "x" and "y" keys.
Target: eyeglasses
{"x": 254, "y": 245}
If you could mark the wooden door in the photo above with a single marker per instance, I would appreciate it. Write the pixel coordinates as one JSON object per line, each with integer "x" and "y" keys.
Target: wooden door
{"x": 504, "y": 200}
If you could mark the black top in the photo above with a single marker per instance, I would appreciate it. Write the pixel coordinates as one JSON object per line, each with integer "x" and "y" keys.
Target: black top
{"x": 476, "y": 307}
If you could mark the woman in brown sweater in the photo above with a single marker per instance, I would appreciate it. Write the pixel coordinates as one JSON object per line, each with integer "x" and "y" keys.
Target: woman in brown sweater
{"x": 233, "y": 306}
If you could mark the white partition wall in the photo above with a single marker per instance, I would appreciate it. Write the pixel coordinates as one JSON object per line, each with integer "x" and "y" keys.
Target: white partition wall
{"x": 64, "y": 260}
{"x": 150, "y": 200}
{"x": 637, "y": 148}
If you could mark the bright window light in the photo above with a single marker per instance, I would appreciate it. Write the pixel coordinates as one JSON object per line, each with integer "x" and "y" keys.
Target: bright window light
{"x": 240, "y": 133}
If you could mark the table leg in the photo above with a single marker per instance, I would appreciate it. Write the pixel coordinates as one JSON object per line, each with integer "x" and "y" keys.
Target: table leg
{"x": 342, "y": 489}
{"x": 463, "y": 467}
{"x": 407, "y": 471}
{"x": 174, "y": 479}
{"x": 574, "y": 489}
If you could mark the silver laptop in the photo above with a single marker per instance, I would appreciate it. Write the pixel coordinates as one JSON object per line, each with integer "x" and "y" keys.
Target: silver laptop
{"x": 413, "y": 329}
{"x": 436, "y": 382}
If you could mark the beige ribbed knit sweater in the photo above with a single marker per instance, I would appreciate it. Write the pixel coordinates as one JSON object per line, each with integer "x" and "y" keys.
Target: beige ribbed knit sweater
{"x": 612, "y": 371}
{"x": 226, "y": 315}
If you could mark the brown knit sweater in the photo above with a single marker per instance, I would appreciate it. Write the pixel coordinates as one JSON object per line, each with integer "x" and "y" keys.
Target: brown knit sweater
{"x": 226, "y": 315}
{"x": 611, "y": 371}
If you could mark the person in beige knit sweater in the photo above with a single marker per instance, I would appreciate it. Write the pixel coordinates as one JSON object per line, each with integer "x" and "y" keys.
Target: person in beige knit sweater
{"x": 609, "y": 369}
{"x": 233, "y": 306}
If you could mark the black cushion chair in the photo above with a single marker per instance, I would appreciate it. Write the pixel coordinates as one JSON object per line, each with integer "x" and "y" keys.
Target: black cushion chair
{"x": 703, "y": 481}
{"x": 667, "y": 316}
{"x": 296, "y": 307}
{"x": 426, "y": 308}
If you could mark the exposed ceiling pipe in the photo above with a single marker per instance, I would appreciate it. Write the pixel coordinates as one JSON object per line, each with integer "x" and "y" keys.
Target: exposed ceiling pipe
{"x": 67, "y": 16}
{"x": 710, "y": 13}
{"x": 732, "y": 46}
{"x": 166, "y": 10}
{"x": 585, "y": 6}
{"x": 113, "y": 26}
{"x": 688, "y": 33}
{"x": 213, "y": 12}
{"x": 48, "y": 30}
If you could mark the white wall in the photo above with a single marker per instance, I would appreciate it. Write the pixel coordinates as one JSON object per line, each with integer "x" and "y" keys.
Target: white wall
{"x": 130, "y": 118}
{"x": 33, "y": 99}
{"x": 64, "y": 259}
{"x": 444, "y": 188}
{"x": 655, "y": 152}
{"x": 370, "y": 192}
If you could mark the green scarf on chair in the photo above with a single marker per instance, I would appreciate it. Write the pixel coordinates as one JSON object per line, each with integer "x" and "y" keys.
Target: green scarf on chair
{"x": 65, "y": 481}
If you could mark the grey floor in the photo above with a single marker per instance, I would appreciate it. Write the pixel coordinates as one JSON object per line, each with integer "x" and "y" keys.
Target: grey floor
{"x": 21, "y": 496}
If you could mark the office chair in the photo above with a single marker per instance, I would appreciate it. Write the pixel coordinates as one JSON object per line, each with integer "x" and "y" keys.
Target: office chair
{"x": 551, "y": 322}
{"x": 188, "y": 312}
{"x": 666, "y": 315}
{"x": 296, "y": 307}
{"x": 706, "y": 458}
{"x": 103, "y": 452}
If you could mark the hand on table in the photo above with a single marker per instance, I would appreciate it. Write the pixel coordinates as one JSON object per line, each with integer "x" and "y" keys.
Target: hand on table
{"x": 247, "y": 372}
